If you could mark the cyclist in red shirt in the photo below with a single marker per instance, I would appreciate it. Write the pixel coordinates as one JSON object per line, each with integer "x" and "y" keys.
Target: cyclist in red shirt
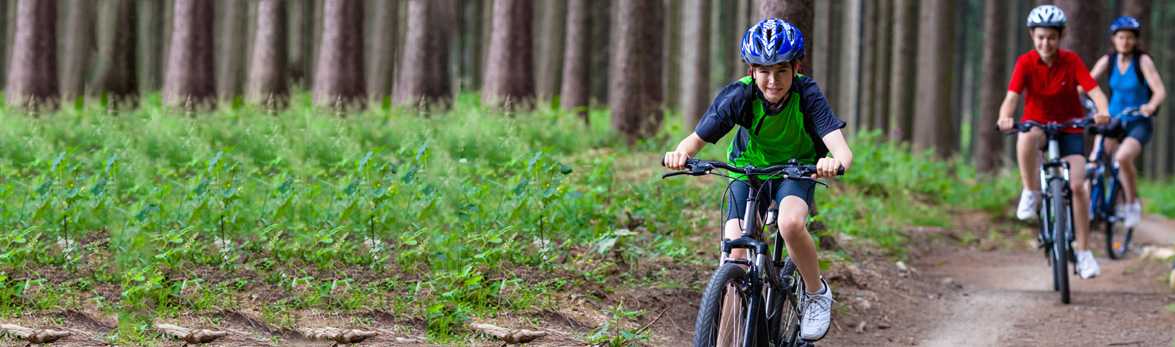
{"x": 1048, "y": 77}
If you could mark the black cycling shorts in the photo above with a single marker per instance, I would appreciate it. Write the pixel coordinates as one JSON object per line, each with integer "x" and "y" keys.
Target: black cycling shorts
{"x": 777, "y": 188}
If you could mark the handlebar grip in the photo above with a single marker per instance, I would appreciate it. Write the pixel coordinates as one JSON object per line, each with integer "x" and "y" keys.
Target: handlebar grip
{"x": 840, "y": 171}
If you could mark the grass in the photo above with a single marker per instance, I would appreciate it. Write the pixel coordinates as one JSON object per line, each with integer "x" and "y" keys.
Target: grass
{"x": 1159, "y": 197}
{"x": 445, "y": 216}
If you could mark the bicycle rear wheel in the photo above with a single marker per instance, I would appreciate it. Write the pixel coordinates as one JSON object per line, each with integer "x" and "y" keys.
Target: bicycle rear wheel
{"x": 1060, "y": 222}
{"x": 722, "y": 314}
{"x": 1118, "y": 236}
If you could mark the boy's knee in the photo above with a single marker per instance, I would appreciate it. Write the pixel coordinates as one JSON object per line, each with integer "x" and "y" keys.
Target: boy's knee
{"x": 791, "y": 225}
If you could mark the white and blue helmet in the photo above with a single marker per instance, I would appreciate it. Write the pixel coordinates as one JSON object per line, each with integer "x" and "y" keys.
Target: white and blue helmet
{"x": 1046, "y": 16}
{"x": 772, "y": 41}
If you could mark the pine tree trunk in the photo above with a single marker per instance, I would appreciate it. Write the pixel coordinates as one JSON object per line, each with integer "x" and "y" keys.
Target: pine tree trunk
{"x": 115, "y": 73}
{"x": 5, "y": 38}
{"x": 338, "y": 78}
{"x": 695, "y": 67}
{"x": 933, "y": 127}
{"x": 230, "y": 46}
{"x": 881, "y": 116}
{"x": 671, "y": 54}
{"x": 267, "y": 83}
{"x": 989, "y": 142}
{"x": 869, "y": 53}
{"x": 301, "y": 39}
{"x": 848, "y": 96}
{"x": 576, "y": 81}
{"x": 635, "y": 100}
{"x": 1085, "y": 31}
{"x": 79, "y": 39}
{"x": 743, "y": 8}
{"x": 601, "y": 28}
{"x": 472, "y": 45}
{"x": 550, "y": 48}
{"x": 424, "y": 76}
{"x": 150, "y": 44}
{"x": 381, "y": 66}
{"x": 824, "y": 51}
{"x": 799, "y": 13}
{"x": 723, "y": 41}
{"x": 905, "y": 47}
{"x": 32, "y": 77}
{"x": 509, "y": 78}
{"x": 189, "y": 80}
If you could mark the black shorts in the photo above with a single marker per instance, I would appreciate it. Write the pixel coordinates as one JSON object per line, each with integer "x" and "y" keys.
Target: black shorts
{"x": 777, "y": 188}
{"x": 1139, "y": 128}
{"x": 1071, "y": 144}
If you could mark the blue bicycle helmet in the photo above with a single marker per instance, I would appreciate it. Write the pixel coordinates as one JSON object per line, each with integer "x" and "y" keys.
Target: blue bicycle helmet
{"x": 1125, "y": 23}
{"x": 772, "y": 41}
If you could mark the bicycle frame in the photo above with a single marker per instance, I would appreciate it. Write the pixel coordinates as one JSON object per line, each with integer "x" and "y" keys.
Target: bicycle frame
{"x": 762, "y": 269}
{"x": 1053, "y": 167}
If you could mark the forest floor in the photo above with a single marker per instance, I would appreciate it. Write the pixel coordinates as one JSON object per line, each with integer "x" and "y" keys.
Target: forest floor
{"x": 978, "y": 283}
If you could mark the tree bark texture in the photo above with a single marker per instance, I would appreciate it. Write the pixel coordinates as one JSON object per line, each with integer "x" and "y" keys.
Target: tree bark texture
{"x": 933, "y": 127}
{"x": 798, "y": 13}
{"x": 423, "y": 75}
{"x": 695, "y": 67}
{"x": 576, "y": 81}
{"x": 635, "y": 99}
{"x": 509, "y": 77}
{"x": 115, "y": 73}
{"x": 989, "y": 142}
{"x": 79, "y": 40}
{"x": 268, "y": 84}
{"x": 338, "y": 78}
{"x": 550, "y": 48}
{"x": 1085, "y": 32}
{"x": 32, "y": 69}
{"x": 384, "y": 40}
{"x": 150, "y": 44}
{"x": 901, "y": 78}
{"x": 189, "y": 81}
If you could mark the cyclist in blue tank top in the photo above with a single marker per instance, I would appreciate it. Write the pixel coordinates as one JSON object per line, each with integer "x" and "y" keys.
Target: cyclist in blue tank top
{"x": 781, "y": 115}
{"x": 1134, "y": 84}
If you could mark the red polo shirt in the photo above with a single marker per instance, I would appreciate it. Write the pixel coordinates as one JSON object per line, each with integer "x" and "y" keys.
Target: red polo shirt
{"x": 1050, "y": 92}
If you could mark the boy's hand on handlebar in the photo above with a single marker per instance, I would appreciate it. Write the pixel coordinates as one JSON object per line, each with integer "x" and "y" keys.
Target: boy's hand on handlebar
{"x": 827, "y": 167}
{"x": 1004, "y": 124}
{"x": 675, "y": 160}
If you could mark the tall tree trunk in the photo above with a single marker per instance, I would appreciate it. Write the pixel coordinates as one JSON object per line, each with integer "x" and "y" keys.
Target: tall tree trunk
{"x": 1085, "y": 31}
{"x": 934, "y": 129}
{"x": 189, "y": 80}
{"x": 231, "y": 47}
{"x": 509, "y": 78}
{"x": 550, "y": 48}
{"x": 150, "y": 44}
{"x": 799, "y": 13}
{"x": 904, "y": 53}
{"x": 5, "y": 38}
{"x": 384, "y": 37}
{"x": 848, "y": 97}
{"x": 423, "y": 75}
{"x": 636, "y": 99}
{"x": 576, "y": 81}
{"x": 743, "y": 8}
{"x": 338, "y": 79}
{"x": 79, "y": 39}
{"x": 989, "y": 142}
{"x": 869, "y": 52}
{"x": 601, "y": 27}
{"x": 473, "y": 46}
{"x": 267, "y": 83}
{"x": 723, "y": 41}
{"x": 695, "y": 67}
{"x": 32, "y": 77}
{"x": 115, "y": 72}
{"x": 301, "y": 36}
{"x": 881, "y": 115}
{"x": 671, "y": 54}
{"x": 825, "y": 50}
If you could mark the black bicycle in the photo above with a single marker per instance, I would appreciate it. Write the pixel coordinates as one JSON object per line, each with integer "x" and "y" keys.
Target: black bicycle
{"x": 1056, "y": 213}
{"x": 1106, "y": 192}
{"x": 767, "y": 289}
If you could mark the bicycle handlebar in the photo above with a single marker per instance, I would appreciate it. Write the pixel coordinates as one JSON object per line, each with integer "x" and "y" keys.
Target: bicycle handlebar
{"x": 698, "y": 167}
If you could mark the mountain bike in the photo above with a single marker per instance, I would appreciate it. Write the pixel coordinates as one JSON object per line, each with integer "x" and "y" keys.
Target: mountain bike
{"x": 769, "y": 287}
{"x": 1106, "y": 191}
{"x": 1056, "y": 213}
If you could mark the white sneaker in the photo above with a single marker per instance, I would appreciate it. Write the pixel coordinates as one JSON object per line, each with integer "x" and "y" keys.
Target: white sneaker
{"x": 1133, "y": 214}
{"x": 1029, "y": 202}
{"x": 1086, "y": 265}
{"x": 817, "y": 313}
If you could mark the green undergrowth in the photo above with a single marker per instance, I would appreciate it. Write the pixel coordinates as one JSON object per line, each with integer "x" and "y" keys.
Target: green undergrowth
{"x": 443, "y": 215}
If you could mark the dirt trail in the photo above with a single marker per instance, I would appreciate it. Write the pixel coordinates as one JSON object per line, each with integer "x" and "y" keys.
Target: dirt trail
{"x": 1006, "y": 298}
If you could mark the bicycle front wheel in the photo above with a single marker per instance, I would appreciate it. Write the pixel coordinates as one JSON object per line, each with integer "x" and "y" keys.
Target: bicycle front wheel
{"x": 722, "y": 315}
{"x": 1060, "y": 253}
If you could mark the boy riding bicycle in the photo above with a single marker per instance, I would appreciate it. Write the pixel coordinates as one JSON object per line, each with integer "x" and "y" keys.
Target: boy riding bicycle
{"x": 1048, "y": 76}
{"x": 782, "y": 115}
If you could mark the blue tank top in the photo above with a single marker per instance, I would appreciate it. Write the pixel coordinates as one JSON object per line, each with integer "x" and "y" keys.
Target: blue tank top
{"x": 1125, "y": 88}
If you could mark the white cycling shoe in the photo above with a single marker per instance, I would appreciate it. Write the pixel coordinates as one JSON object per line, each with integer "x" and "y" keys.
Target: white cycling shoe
{"x": 1133, "y": 214}
{"x": 1086, "y": 265}
{"x": 817, "y": 313}
{"x": 1029, "y": 202}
